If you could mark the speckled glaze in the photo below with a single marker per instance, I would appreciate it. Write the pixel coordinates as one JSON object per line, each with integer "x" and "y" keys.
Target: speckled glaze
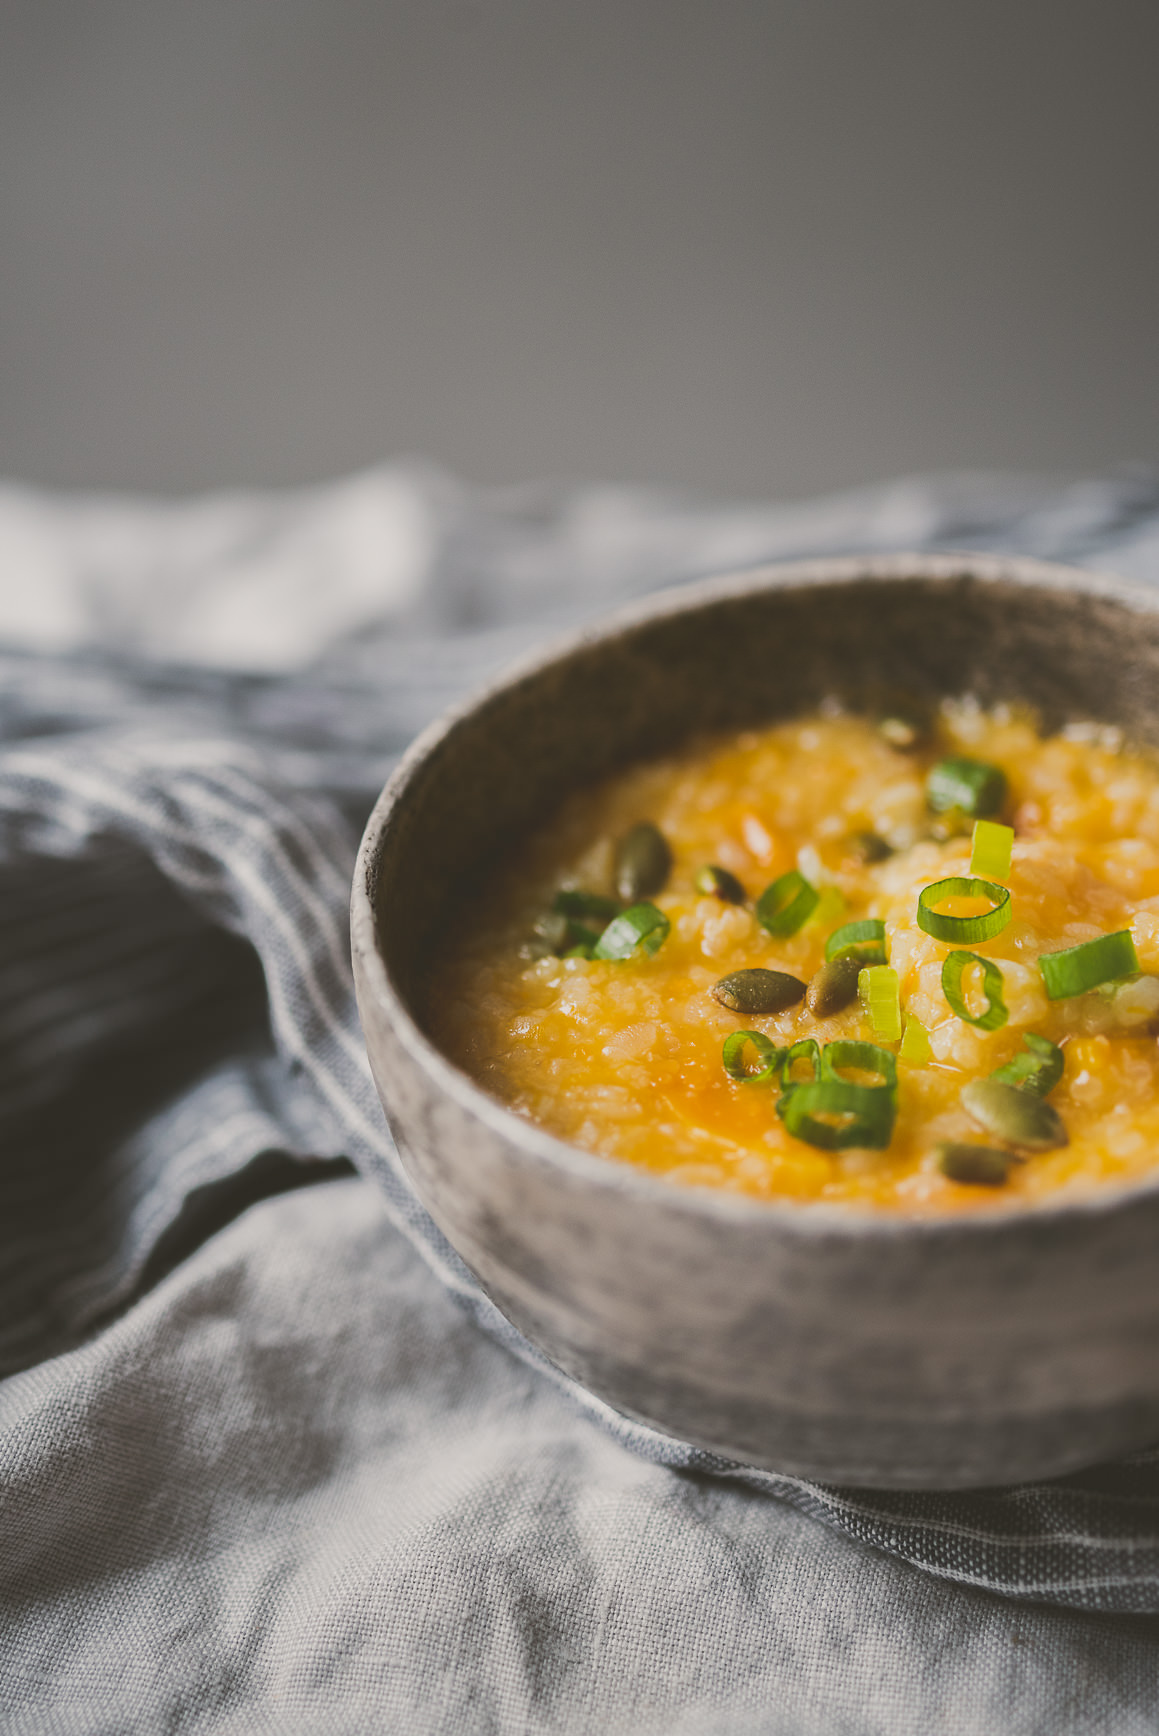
{"x": 856, "y": 1349}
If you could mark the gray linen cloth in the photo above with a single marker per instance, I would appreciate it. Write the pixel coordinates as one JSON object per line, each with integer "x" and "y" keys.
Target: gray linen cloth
{"x": 268, "y": 1459}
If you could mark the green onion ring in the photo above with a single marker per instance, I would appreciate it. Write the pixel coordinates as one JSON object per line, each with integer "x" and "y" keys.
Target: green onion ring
{"x": 968, "y": 929}
{"x": 1076, "y": 969}
{"x": 770, "y": 1056}
{"x": 878, "y": 991}
{"x": 974, "y": 786}
{"x": 866, "y": 1056}
{"x": 1039, "y": 1071}
{"x": 865, "y": 939}
{"x": 871, "y": 1107}
{"x": 991, "y": 850}
{"x": 641, "y": 926}
{"x": 953, "y": 970}
{"x": 787, "y": 903}
{"x": 804, "y": 1049}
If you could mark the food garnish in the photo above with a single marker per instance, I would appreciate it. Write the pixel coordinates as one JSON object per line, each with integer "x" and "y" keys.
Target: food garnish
{"x": 642, "y": 927}
{"x": 963, "y": 930}
{"x": 955, "y": 967}
{"x": 788, "y": 903}
{"x": 1076, "y": 969}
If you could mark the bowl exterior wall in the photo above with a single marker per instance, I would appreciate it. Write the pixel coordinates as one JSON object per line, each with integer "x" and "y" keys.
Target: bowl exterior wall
{"x": 874, "y": 1351}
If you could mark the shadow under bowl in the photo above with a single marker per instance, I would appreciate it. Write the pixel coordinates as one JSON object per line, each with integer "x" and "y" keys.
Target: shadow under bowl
{"x": 855, "y": 1348}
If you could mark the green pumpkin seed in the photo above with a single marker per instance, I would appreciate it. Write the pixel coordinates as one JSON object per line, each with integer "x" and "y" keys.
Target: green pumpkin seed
{"x": 758, "y": 991}
{"x": 714, "y": 882}
{"x": 869, "y": 847}
{"x": 974, "y": 1165}
{"x": 1017, "y": 1116}
{"x": 834, "y": 986}
{"x": 643, "y": 863}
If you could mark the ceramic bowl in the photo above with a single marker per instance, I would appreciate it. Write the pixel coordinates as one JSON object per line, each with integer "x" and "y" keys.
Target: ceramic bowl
{"x": 848, "y": 1347}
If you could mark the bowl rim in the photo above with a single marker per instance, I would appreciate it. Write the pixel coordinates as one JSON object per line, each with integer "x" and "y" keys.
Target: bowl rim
{"x": 808, "y": 1219}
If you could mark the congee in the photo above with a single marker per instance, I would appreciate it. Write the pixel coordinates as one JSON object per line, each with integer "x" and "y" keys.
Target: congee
{"x": 898, "y": 962}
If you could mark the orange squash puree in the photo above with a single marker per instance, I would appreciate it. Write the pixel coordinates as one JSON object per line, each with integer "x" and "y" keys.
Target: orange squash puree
{"x": 624, "y": 1057}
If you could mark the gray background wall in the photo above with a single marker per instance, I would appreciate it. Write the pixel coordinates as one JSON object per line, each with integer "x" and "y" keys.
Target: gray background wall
{"x": 756, "y": 248}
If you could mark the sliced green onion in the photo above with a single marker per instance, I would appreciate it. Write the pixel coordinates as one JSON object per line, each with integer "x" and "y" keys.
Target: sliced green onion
{"x": 878, "y": 987}
{"x": 572, "y": 902}
{"x": 977, "y": 788}
{"x": 953, "y": 970}
{"x": 915, "y": 1045}
{"x": 768, "y": 1054}
{"x": 643, "y": 926}
{"x": 1079, "y": 968}
{"x": 582, "y": 950}
{"x": 992, "y": 849}
{"x": 864, "y": 940}
{"x": 862, "y": 1115}
{"x": 787, "y": 903}
{"x": 965, "y": 930}
{"x": 866, "y": 1057}
{"x": 804, "y": 1049}
{"x": 1039, "y": 1070}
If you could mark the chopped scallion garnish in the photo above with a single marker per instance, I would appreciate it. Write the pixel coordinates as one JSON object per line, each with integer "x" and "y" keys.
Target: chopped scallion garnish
{"x": 787, "y": 903}
{"x": 953, "y": 970}
{"x": 768, "y": 1054}
{"x": 973, "y": 786}
{"x": 1076, "y": 969}
{"x": 864, "y": 940}
{"x": 993, "y": 844}
{"x": 832, "y": 1114}
{"x": 878, "y": 987}
{"x": 864, "y": 1057}
{"x": 915, "y": 1044}
{"x": 642, "y": 927}
{"x": 963, "y": 930}
{"x": 1039, "y": 1070}
{"x": 804, "y": 1049}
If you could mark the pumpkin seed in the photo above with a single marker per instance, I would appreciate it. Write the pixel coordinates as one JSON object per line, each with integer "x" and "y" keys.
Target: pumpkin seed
{"x": 714, "y": 882}
{"x": 869, "y": 847}
{"x": 834, "y": 986}
{"x": 974, "y": 1165}
{"x": 758, "y": 991}
{"x": 643, "y": 862}
{"x": 1017, "y": 1116}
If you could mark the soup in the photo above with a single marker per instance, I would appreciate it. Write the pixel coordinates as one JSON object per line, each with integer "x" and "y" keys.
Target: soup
{"x": 897, "y": 963}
